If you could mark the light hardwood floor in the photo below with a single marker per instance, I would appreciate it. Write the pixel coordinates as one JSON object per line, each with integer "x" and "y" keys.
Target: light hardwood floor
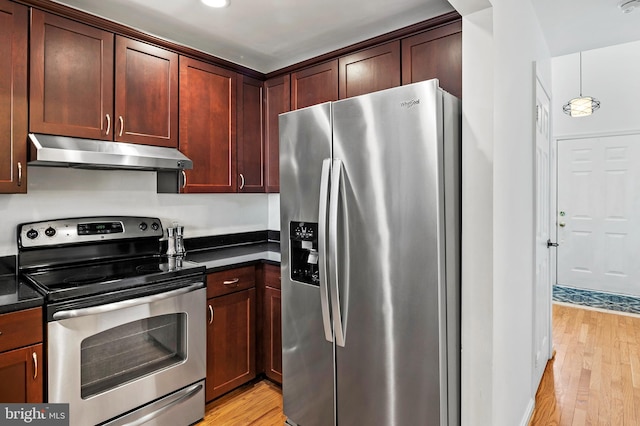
{"x": 258, "y": 404}
{"x": 594, "y": 378}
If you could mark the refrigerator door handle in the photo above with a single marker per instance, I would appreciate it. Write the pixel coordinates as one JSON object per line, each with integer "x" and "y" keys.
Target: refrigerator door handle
{"x": 322, "y": 248}
{"x": 336, "y": 176}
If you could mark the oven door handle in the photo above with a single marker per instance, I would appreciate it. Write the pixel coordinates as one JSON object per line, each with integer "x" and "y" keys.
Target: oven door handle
{"x": 95, "y": 310}
{"x": 183, "y": 396}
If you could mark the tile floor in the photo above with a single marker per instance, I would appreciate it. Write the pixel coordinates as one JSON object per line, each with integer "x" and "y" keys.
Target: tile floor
{"x": 596, "y": 299}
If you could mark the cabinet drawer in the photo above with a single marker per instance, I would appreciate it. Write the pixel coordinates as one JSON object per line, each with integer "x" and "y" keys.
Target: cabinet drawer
{"x": 20, "y": 328}
{"x": 272, "y": 276}
{"x": 230, "y": 281}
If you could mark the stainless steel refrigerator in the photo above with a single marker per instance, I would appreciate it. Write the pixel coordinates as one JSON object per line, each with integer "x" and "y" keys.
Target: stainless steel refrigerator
{"x": 370, "y": 240}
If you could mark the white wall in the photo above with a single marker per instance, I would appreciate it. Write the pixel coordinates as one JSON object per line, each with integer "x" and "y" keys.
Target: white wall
{"x": 58, "y": 193}
{"x": 274, "y": 212}
{"x": 498, "y": 195}
{"x": 611, "y": 75}
{"x": 477, "y": 218}
{"x": 518, "y": 43}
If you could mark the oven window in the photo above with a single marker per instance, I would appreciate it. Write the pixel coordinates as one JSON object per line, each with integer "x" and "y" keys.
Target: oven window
{"x": 130, "y": 351}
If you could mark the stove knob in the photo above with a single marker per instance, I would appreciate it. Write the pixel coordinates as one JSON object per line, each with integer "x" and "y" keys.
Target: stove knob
{"x": 32, "y": 234}
{"x": 143, "y": 226}
{"x": 49, "y": 232}
{"x": 155, "y": 226}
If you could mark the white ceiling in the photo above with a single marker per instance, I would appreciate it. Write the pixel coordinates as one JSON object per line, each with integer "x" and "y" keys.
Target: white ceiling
{"x": 266, "y": 35}
{"x": 576, "y": 25}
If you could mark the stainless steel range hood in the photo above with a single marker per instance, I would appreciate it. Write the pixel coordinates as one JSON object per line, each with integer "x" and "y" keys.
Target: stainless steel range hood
{"x": 62, "y": 151}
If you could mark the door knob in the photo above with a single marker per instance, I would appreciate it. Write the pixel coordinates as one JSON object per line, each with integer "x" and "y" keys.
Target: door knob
{"x": 562, "y": 224}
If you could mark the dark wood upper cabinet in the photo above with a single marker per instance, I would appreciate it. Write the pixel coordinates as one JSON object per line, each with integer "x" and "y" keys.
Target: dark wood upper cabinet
{"x": 71, "y": 78}
{"x": 314, "y": 85}
{"x": 277, "y": 101}
{"x": 146, "y": 82}
{"x": 208, "y": 125}
{"x": 370, "y": 70}
{"x": 250, "y": 135}
{"x": 14, "y": 27}
{"x": 435, "y": 54}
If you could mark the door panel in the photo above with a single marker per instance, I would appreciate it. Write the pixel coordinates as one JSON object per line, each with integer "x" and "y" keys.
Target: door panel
{"x": 390, "y": 258}
{"x": 208, "y": 126}
{"x": 598, "y": 213}
{"x": 146, "y": 107}
{"x": 14, "y": 36}
{"x": 307, "y": 357}
{"x": 314, "y": 85}
{"x": 435, "y": 54}
{"x": 251, "y": 158}
{"x": 370, "y": 70}
{"x": 277, "y": 100}
{"x": 542, "y": 288}
{"x": 71, "y": 78}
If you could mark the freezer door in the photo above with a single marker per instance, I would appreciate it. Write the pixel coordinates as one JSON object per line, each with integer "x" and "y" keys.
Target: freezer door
{"x": 307, "y": 356}
{"x": 392, "y": 367}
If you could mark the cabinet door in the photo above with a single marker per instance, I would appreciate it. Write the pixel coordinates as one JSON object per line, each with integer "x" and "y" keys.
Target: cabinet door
{"x": 207, "y": 126}
{"x": 250, "y": 140}
{"x": 146, "y": 94}
{"x": 277, "y": 101}
{"x": 370, "y": 70}
{"x": 14, "y": 26}
{"x": 21, "y": 375}
{"x": 230, "y": 342}
{"x": 314, "y": 85}
{"x": 71, "y": 78}
{"x": 435, "y": 54}
{"x": 273, "y": 334}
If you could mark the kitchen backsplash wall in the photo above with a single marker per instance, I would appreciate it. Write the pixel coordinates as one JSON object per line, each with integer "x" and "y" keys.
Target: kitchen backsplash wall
{"x": 274, "y": 212}
{"x": 58, "y": 193}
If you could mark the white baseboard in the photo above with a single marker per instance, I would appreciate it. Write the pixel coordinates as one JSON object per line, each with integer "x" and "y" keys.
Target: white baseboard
{"x": 527, "y": 414}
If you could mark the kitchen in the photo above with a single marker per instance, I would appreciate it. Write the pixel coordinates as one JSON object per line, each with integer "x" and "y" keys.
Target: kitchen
{"x": 227, "y": 214}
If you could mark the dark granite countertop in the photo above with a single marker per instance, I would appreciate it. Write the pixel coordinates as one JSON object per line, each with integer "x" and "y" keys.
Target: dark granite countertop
{"x": 226, "y": 257}
{"x": 15, "y": 294}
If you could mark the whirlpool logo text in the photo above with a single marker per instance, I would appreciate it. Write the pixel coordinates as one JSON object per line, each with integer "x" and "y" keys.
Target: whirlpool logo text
{"x": 410, "y": 104}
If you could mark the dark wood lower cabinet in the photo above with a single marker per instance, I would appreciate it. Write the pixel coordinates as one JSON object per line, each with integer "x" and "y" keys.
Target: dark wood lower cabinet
{"x": 273, "y": 334}
{"x": 21, "y": 372}
{"x": 231, "y": 339}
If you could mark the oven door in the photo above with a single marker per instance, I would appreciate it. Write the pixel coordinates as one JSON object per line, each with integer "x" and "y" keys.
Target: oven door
{"x": 107, "y": 360}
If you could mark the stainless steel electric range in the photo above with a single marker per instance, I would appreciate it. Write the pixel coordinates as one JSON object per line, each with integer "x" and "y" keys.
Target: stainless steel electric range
{"x": 125, "y": 325}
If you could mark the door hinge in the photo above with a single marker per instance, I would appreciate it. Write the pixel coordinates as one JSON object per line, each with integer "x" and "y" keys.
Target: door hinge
{"x": 550, "y": 244}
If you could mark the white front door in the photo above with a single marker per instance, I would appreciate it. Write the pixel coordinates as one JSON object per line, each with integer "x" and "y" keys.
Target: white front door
{"x": 599, "y": 213}
{"x": 542, "y": 285}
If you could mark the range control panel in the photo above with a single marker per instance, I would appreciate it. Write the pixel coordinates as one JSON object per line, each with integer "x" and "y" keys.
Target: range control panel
{"x": 86, "y": 229}
{"x": 304, "y": 252}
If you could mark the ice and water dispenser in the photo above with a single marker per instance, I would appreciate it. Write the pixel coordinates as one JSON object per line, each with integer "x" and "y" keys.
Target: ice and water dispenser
{"x": 304, "y": 252}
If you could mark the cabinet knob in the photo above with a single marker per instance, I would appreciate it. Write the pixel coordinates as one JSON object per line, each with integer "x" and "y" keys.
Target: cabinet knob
{"x": 241, "y": 181}
{"x": 108, "y": 125}
{"x": 210, "y": 314}
{"x": 19, "y": 173}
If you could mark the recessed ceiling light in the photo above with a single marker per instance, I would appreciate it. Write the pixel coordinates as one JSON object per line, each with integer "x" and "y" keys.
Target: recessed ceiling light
{"x": 627, "y": 6}
{"x": 216, "y": 3}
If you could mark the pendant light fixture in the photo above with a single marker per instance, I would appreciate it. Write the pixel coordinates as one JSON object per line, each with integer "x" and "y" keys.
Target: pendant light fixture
{"x": 582, "y": 105}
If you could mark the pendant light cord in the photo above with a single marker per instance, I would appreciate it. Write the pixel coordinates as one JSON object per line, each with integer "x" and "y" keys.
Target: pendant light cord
{"x": 580, "y": 74}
